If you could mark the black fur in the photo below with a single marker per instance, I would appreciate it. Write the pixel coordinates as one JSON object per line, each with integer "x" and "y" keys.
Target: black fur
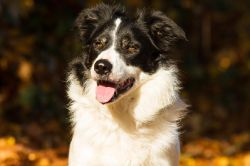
{"x": 150, "y": 31}
{"x": 163, "y": 31}
{"x": 78, "y": 68}
{"x": 92, "y": 20}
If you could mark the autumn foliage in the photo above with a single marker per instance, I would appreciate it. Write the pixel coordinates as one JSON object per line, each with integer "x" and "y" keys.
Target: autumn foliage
{"x": 37, "y": 41}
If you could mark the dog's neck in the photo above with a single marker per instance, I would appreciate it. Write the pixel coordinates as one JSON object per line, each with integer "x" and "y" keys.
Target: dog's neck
{"x": 148, "y": 102}
{"x": 144, "y": 105}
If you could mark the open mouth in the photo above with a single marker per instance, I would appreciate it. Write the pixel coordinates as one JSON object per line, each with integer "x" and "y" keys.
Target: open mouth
{"x": 108, "y": 91}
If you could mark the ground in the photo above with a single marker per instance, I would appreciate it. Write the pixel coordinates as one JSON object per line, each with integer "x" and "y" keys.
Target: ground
{"x": 200, "y": 152}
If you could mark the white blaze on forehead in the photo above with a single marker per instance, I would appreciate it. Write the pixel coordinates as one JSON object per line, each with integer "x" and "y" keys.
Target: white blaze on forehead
{"x": 109, "y": 53}
{"x": 117, "y": 23}
{"x": 120, "y": 70}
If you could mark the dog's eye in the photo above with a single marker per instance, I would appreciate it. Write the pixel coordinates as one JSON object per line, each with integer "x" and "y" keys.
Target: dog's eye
{"x": 133, "y": 49}
{"x": 100, "y": 43}
{"x": 125, "y": 43}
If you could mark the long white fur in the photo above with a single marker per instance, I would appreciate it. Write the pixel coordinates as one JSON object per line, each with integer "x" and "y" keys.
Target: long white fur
{"x": 140, "y": 129}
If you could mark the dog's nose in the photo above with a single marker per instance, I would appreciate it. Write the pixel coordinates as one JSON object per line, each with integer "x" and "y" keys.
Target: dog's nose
{"x": 103, "y": 67}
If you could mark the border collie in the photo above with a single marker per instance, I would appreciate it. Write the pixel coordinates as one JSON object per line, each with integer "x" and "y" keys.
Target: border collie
{"x": 125, "y": 106}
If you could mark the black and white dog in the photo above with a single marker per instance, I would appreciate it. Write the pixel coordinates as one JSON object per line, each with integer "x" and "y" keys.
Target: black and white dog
{"x": 124, "y": 88}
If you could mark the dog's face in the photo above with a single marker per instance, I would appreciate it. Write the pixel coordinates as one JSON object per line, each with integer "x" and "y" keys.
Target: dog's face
{"x": 119, "y": 51}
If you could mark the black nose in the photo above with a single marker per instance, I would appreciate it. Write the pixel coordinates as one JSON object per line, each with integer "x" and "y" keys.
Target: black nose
{"x": 103, "y": 67}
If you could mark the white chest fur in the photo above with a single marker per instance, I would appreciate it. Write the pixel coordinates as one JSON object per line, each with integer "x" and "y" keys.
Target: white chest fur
{"x": 141, "y": 129}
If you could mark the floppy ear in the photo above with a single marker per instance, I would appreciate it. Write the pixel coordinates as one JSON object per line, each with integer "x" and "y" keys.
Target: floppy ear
{"x": 89, "y": 19}
{"x": 86, "y": 23}
{"x": 163, "y": 31}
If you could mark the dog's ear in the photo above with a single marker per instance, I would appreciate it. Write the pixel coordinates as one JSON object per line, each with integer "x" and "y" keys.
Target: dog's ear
{"x": 163, "y": 31}
{"x": 89, "y": 19}
{"x": 86, "y": 23}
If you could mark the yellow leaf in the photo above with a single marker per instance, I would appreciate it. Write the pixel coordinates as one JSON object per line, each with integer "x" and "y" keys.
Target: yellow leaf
{"x": 32, "y": 156}
{"x": 11, "y": 141}
{"x": 25, "y": 71}
{"x": 43, "y": 162}
{"x": 246, "y": 160}
{"x": 221, "y": 161}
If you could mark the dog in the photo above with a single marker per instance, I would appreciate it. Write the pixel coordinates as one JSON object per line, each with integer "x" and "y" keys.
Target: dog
{"x": 123, "y": 89}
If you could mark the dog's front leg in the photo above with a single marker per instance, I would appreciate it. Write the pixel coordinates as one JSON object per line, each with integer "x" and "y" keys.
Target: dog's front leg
{"x": 170, "y": 157}
{"x": 80, "y": 153}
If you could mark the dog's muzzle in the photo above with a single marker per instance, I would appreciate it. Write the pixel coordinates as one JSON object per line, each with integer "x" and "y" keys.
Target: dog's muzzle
{"x": 103, "y": 67}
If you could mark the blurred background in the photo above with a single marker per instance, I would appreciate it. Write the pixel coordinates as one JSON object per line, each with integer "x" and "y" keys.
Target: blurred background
{"x": 37, "y": 42}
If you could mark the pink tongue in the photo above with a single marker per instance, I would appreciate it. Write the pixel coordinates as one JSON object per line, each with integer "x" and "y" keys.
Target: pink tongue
{"x": 104, "y": 93}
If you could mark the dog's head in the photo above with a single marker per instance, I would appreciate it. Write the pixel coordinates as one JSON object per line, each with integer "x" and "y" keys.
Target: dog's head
{"x": 119, "y": 51}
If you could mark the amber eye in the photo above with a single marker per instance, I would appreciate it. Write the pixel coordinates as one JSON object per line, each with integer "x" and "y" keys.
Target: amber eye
{"x": 125, "y": 43}
{"x": 133, "y": 49}
{"x": 100, "y": 43}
